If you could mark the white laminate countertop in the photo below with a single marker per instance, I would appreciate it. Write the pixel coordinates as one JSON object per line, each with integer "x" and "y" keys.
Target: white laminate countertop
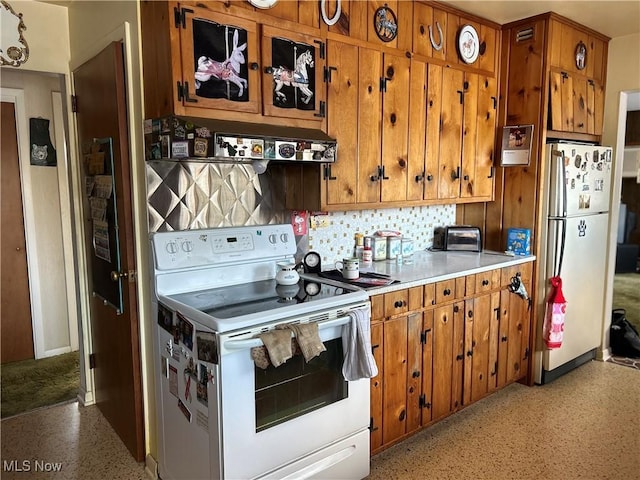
{"x": 429, "y": 267}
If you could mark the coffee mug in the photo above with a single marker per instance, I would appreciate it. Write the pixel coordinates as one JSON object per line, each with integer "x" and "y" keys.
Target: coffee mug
{"x": 349, "y": 267}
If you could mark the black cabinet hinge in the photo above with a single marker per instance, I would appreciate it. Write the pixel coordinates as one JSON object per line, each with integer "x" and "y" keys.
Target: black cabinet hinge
{"x": 74, "y": 103}
{"x": 526, "y": 353}
{"x": 183, "y": 93}
{"x": 328, "y": 176}
{"x": 423, "y": 402}
{"x": 92, "y": 361}
{"x": 322, "y": 110}
{"x": 180, "y": 16}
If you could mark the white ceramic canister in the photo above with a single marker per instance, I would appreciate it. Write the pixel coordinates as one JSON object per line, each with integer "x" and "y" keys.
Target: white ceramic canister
{"x": 394, "y": 247}
{"x": 407, "y": 247}
{"x": 379, "y": 248}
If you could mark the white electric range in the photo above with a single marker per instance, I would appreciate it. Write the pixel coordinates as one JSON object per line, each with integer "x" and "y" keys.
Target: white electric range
{"x": 221, "y": 416}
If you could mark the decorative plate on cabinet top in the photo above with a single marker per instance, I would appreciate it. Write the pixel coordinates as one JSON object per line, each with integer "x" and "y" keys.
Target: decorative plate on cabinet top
{"x": 264, "y": 4}
{"x": 468, "y": 44}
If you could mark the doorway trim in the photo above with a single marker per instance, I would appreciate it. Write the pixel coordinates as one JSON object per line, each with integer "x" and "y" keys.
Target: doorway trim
{"x": 16, "y": 96}
{"x": 604, "y": 352}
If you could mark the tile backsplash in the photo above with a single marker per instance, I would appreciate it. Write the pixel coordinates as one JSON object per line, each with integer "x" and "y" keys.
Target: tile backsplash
{"x": 336, "y": 241}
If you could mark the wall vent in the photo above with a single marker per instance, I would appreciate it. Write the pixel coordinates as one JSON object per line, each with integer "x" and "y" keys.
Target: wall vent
{"x": 524, "y": 34}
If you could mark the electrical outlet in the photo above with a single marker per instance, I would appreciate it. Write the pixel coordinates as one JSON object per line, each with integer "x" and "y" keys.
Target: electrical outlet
{"x": 319, "y": 221}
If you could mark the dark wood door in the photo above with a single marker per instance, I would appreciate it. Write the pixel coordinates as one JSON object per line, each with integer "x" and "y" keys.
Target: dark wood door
{"x": 17, "y": 332}
{"x": 100, "y": 91}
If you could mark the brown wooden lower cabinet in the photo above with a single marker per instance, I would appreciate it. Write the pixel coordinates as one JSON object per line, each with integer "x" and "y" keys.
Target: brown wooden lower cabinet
{"x": 458, "y": 348}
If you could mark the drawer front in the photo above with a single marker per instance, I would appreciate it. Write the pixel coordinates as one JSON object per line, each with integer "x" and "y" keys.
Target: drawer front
{"x": 524, "y": 269}
{"x": 377, "y": 308}
{"x": 429, "y": 294}
{"x": 486, "y": 281}
{"x": 396, "y": 303}
{"x": 445, "y": 291}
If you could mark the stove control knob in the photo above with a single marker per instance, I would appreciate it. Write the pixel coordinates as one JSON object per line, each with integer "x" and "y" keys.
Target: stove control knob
{"x": 172, "y": 247}
{"x": 273, "y": 238}
{"x": 187, "y": 246}
{"x": 284, "y": 237}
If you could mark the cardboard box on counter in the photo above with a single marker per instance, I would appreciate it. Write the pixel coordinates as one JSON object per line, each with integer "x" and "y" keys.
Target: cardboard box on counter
{"x": 519, "y": 241}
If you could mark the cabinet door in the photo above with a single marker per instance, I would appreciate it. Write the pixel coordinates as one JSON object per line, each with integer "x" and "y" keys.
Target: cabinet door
{"x": 443, "y": 361}
{"x": 414, "y": 370}
{"x": 450, "y": 134}
{"x": 580, "y": 105}
{"x": 561, "y": 102}
{"x": 369, "y": 125}
{"x": 595, "y": 107}
{"x": 427, "y": 365}
{"x": 377, "y": 346}
{"x": 220, "y": 67}
{"x": 482, "y": 186}
{"x": 448, "y": 359}
{"x": 503, "y": 338}
{"x": 469, "y": 134}
{"x": 395, "y": 127}
{"x": 342, "y": 121}
{"x": 434, "y": 108}
{"x": 494, "y": 341}
{"x": 416, "y": 185}
{"x": 293, "y": 75}
{"x": 395, "y": 379}
{"x": 480, "y": 347}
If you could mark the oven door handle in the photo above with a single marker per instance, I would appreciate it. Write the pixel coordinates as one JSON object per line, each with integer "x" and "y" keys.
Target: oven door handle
{"x": 256, "y": 342}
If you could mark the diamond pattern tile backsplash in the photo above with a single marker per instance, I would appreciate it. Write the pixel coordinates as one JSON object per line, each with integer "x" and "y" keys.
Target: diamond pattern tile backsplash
{"x": 190, "y": 195}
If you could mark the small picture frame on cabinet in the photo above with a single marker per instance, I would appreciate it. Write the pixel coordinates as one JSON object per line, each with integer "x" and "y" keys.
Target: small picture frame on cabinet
{"x": 516, "y": 145}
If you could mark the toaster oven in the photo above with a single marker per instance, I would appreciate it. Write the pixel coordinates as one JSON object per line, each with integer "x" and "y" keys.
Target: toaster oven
{"x": 462, "y": 238}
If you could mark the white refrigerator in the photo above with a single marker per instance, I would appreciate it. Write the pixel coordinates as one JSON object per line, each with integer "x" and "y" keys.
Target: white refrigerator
{"x": 576, "y": 230}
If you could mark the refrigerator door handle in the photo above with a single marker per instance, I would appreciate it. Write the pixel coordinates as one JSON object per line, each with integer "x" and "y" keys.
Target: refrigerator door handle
{"x": 557, "y": 264}
{"x": 558, "y": 197}
{"x": 564, "y": 199}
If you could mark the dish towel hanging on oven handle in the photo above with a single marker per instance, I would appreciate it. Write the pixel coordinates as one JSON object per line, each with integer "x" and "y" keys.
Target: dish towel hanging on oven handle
{"x": 356, "y": 343}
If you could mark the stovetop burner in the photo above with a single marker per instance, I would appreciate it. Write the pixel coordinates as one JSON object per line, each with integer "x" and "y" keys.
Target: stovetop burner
{"x": 249, "y": 298}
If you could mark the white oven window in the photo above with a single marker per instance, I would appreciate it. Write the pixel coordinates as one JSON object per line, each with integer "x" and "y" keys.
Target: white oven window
{"x": 297, "y": 387}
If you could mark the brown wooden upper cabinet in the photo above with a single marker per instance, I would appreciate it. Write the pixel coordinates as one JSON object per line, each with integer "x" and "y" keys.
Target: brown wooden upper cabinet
{"x": 577, "y": 59}
{"x": 216, "y": 60}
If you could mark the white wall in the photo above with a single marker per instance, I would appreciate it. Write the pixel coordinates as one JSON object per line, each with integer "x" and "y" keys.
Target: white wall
{"x": 44, "y": 209}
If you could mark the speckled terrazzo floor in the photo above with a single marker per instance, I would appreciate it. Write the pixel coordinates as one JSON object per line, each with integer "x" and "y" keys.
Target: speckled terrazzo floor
{"x": 77, "y": 438}
{"x": 584, "y": 425}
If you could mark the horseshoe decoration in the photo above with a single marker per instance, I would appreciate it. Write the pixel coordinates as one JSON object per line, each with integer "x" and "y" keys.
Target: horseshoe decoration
{"x": 436, "y": 46}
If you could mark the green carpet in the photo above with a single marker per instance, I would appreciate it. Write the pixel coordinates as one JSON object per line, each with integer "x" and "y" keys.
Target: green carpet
{"x": 626, "y": 294}
{"x": 31, "y": 384}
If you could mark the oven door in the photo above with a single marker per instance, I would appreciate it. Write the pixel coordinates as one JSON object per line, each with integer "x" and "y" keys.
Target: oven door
{"x": 275, "y": 421}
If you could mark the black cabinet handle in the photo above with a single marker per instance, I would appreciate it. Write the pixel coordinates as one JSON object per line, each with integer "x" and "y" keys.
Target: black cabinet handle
{"x": 429, "y": 177}
{"x": 254, "y": 66}
{"x": 504, "y": 338}
{"x": 456, "y": 309}
{"x": 470, "y": 353}
{"x": 420, "y": 177}
{"x": 470, "y": 313}
{"x": 466, "y": 178}
{"x": 459, "y": 356}
{"x": 415, "y": 374}
{"x": 268, "y": 70}
{"x": 446, "y": 292}
{"x": 485, "y": 282}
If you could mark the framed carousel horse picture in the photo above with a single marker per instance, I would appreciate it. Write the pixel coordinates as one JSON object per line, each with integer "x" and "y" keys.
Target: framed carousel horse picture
{"x": 293, "y": 84}
{"x": 220, "y": 61}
